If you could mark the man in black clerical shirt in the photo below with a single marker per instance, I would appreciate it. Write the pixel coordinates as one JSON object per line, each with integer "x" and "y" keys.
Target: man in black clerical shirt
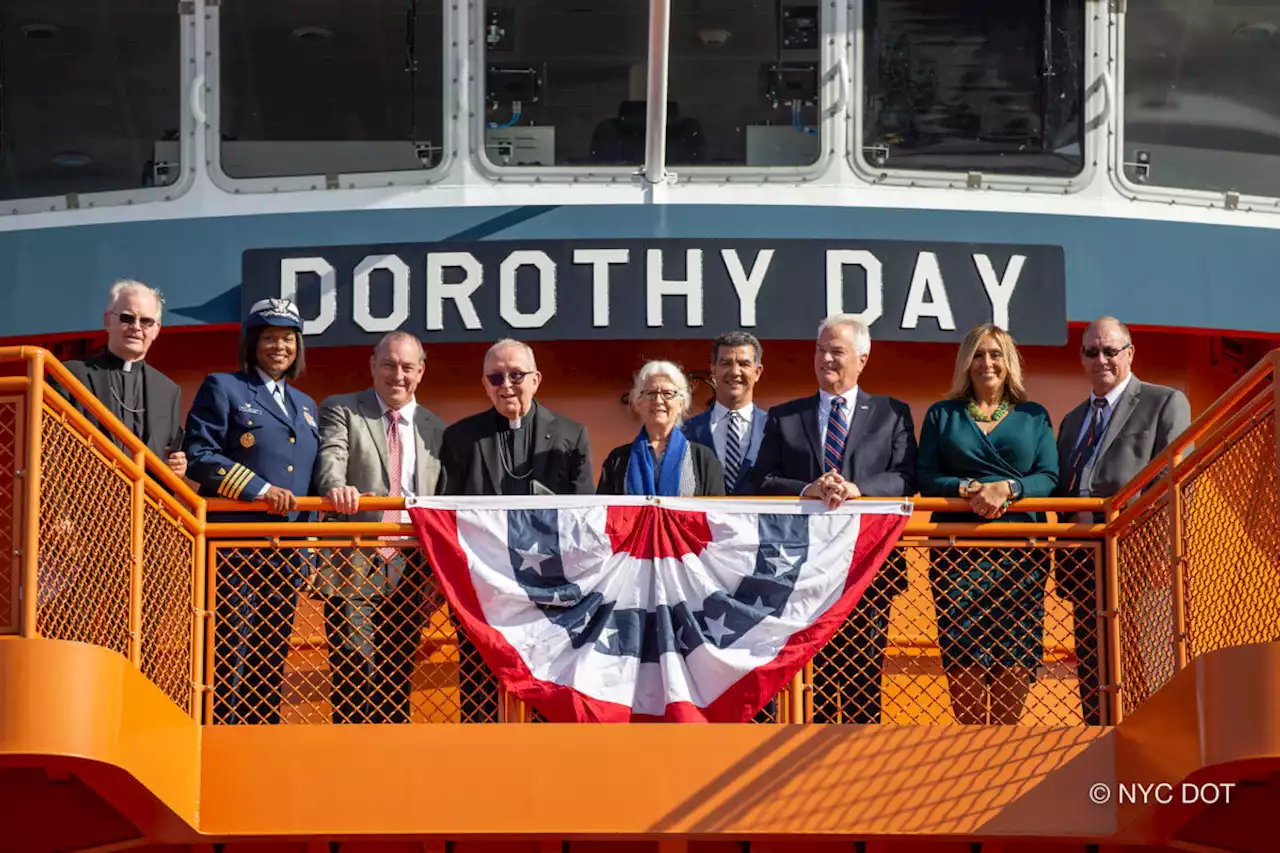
{"x": 516, "y": 447}
{"x": 144, "y": 399}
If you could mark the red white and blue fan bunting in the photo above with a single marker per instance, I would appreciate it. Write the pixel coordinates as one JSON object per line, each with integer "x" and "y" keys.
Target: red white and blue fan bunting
{"x": 617, "y": 609}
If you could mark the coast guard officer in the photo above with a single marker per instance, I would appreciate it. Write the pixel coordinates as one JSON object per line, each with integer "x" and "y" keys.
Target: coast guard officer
{"x": 251, "y": 434}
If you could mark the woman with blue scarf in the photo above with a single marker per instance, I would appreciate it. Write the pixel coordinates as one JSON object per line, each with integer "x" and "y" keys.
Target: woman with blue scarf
{"x": 661, "y": 461}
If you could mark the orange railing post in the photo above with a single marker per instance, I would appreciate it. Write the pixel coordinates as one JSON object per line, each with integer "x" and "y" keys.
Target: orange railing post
{"x": 137, "y": 504}
{"x": 31, "y": 501}
{"x": 1177, "y": 559}
{"x": 198, "y": 621}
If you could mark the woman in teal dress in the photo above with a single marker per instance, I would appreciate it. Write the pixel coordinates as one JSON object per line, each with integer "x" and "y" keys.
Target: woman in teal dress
{"x": 988, "y": 444}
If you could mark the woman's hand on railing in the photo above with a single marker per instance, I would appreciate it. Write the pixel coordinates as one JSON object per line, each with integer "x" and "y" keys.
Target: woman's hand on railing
{"x": 991, "y": 500}
{"x": 280, "y": 501}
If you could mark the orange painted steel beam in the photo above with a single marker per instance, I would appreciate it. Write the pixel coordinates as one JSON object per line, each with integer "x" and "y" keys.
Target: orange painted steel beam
{"x": 667, "y": 780}
{"x": 88, "y": 709}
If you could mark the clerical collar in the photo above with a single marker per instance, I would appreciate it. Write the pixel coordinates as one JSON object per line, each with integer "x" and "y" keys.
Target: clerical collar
{"x": 513, "y": 424}
{"x": 115, "y": 362}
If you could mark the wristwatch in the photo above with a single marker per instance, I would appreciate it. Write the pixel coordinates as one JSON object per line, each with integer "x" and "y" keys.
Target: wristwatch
{"x": 1015, "y": 490}
{"x": 964, "y": 486}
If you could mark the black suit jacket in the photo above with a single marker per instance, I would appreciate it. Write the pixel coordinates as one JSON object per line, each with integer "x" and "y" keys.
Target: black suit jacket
{"x": 879, "y": 454}
{"x": 162, "y": 420}
{"x": 708, "y": 473}
{"x": 561, "y": 454}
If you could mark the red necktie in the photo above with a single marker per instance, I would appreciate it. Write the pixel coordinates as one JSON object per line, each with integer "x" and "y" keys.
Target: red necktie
{"x": 395, "y": 461}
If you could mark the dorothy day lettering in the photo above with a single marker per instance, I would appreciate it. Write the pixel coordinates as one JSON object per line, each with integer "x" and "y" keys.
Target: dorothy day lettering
{"x": 456, "y": 277}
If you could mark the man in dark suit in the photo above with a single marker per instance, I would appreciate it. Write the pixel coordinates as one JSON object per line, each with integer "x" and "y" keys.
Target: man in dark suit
{"x": 377, "y": 442}
{"x": 515, "y": 447}
{"x": 144, "y": 399}
{"x": 844, "y": 443}
{"x": 734, "y": 426}
{"x": 1104, "y": 443}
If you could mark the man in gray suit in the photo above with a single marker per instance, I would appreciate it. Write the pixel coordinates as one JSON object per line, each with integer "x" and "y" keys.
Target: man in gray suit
{"x": 1102, "y": 444}
{"x": 377, "y": 442}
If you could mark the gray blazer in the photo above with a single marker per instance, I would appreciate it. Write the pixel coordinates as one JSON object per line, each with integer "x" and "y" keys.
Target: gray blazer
{"x": 353, "y": 452}
{"x": 1147, "y": 418}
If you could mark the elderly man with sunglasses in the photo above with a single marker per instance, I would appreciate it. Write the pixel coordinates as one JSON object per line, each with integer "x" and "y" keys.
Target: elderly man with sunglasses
{"x": 515, "y": 447}
{"x": 1102, "y": 444}
{"x": 144, "y": 399}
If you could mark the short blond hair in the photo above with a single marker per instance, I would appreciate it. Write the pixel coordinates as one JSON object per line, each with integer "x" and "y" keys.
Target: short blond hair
{"x": 962, "y": 385}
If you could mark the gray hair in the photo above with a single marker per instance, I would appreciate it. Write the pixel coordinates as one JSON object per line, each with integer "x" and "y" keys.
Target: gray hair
{"x": 736, "y": 339}
{"x": 861, "y": 334}
{"x": 128, "y": 285}
{"x": 391, "y": 337}
{"x": 508, "y": 343}
{"x": 667, "y": 369}
{"x": 1108, "y": 321}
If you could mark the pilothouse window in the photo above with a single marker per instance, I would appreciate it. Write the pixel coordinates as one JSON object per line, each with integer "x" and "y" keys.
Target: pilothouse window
{"x": 330, "y": 88}
{"x": 565, "y": 82}
{"x": 1202, "y": 95}
{"x": 744, "y": 83}
{"x": 993, "y": 86}
{"x": 90, "y": 96}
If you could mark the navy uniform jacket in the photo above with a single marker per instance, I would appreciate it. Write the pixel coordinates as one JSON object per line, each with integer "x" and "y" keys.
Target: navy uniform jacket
{"x": 238, "y": 440}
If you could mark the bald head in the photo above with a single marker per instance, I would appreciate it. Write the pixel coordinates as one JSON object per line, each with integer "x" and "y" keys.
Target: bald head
{"x": 1106, "y": 351}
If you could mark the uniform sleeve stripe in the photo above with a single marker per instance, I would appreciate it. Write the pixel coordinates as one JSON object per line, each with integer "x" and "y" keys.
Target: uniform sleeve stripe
{"x": 237, "y": 480}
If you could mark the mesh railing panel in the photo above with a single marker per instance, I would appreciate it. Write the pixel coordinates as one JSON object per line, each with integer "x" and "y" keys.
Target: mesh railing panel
{"x": 972, "y": 632}
{"x": 167, "y": 639}
{"x": 1231, "y": 541}
{"x": 1145, "y": 602}
{"x": 11, "y": 414}
{"x": 311, "y": 634}
{"x": 85, "y": 552}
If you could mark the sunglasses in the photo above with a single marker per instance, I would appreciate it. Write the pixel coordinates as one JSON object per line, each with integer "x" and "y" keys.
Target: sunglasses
{"x": 127, "y": 319}
{"x": 1109, "y": 352}
{"x": 496, "y": 379}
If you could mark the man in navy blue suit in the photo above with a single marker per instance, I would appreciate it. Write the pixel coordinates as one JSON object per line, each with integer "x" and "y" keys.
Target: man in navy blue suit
{"x": 734, "y": 426}
{"x": 838, "y": 444}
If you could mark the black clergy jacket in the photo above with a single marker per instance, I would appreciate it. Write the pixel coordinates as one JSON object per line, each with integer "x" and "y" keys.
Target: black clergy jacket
{"x": 161, "y": 421}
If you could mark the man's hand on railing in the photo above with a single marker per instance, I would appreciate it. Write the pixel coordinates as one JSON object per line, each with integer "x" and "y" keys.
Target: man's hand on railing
{"x": 832, "y": 489}
{"x": 280, "y": 501}
{"x": 346, "y": 499}
{"x": 177, "y": 463}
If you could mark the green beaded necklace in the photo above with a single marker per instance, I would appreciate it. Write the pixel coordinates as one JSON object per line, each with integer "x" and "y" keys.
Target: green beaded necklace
{"x": 1000, "y": 412}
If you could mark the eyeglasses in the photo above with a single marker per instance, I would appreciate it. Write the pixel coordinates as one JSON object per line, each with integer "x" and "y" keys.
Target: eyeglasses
{"x": 1109, "y": 352}
{"x": 127, "y": 319}
{"x": 516, "y": 377}
{"x": 666, "y": 394}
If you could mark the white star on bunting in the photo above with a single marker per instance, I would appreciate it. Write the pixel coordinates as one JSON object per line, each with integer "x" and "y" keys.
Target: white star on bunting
{"x": 716, "y": 628}
{"x": 532, "y": 559}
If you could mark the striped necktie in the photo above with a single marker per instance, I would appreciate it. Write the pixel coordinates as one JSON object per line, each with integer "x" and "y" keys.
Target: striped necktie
{"x": 837, "y": 432}
{"x": 732, "y": 452}
{"x": 1085, "y": 449}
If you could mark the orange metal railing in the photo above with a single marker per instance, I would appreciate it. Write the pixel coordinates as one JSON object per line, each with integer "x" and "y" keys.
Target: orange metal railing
{"x": 110, "y": 548}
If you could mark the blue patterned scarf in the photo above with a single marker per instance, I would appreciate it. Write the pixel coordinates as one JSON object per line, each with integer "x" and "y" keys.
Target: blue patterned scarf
{"x": 640, "y": 474}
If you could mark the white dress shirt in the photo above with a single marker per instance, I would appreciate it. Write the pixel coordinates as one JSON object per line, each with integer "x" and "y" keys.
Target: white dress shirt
{"x": 408, "y": 449}
{"x": 720, "y": 428}
{"x": 824, "y": 412}
{"x": 281, "y": 398}
{"x": 1113, "y": 396}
